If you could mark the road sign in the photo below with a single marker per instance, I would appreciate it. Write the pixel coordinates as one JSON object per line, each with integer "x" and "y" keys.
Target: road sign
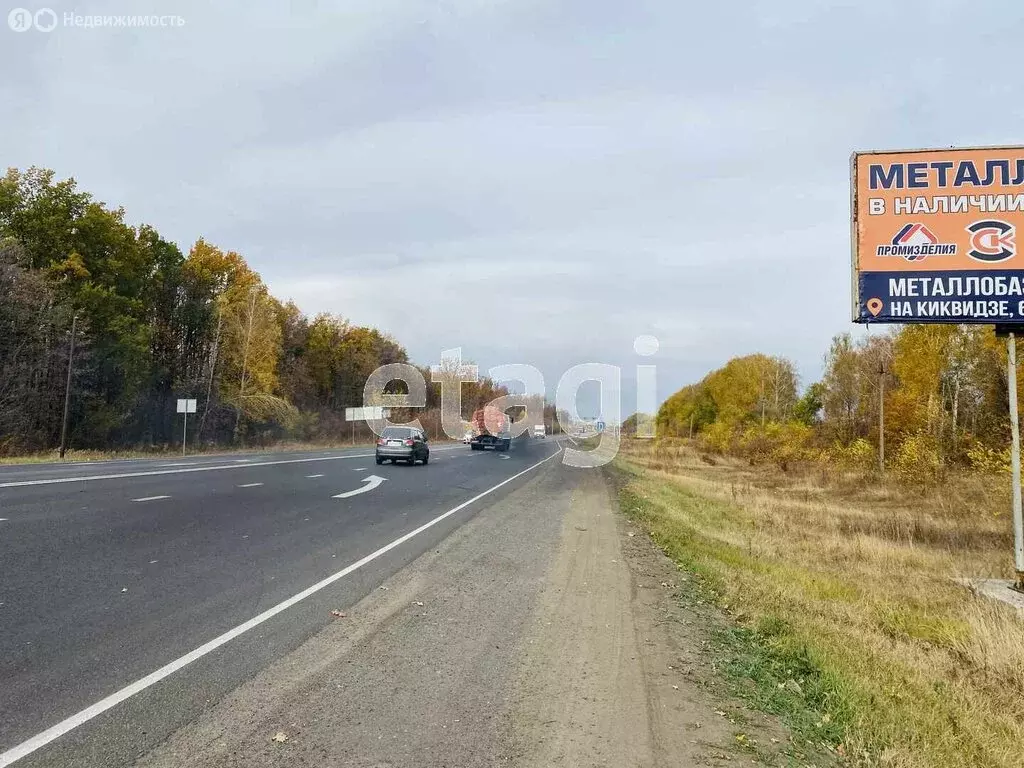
{"x": 185, "y": 406}
{"x": 935, "y": 236}
{"x": 367, "y": 413}
{"x": 600, "y": 426}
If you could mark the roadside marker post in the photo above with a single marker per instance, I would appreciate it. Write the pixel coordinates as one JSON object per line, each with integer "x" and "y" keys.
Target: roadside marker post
{"x": 185, "y": 406}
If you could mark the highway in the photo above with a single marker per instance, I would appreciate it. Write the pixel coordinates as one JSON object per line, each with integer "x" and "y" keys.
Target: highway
{"x": 135, "y": 595}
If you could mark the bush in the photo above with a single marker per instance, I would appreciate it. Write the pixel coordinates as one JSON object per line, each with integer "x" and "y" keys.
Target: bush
{"x": 775, "y": 443}
{"x": 858, "y": 455}
{"x": 987, "y": 460}
{"x": 718, "y": 438}
{"x": 918, "y": 460}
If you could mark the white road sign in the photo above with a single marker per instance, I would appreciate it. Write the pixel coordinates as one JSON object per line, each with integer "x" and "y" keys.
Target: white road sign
{"x": 366, "y": 413}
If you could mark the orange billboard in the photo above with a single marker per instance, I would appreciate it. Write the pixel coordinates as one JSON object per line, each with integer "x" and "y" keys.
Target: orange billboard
{"x": 935, "y": 236}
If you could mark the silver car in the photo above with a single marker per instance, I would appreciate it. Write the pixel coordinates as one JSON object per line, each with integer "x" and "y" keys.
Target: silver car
{"x": 402, "y": 444}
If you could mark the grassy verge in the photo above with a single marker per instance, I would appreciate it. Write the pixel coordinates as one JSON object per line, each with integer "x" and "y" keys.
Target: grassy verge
{"x": 841, "y": 615}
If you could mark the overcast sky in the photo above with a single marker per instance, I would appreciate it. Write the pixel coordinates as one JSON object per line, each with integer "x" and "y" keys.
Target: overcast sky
{"x": 537, "y": 181}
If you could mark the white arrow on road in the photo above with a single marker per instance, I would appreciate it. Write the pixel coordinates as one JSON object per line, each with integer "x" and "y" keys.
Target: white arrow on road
{"x": 371, "y": 482}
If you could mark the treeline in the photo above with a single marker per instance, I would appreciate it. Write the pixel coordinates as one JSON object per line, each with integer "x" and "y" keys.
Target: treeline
{"x": 152, "y": 325}
{"x": 943, "y": 388}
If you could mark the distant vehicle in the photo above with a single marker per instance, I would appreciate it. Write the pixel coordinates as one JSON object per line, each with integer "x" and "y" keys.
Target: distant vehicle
{"x": 539, "y": 430}
{"x": 493, "y": 430}
{"x": 468, "y": 437}
{"x": 402, "y": 444}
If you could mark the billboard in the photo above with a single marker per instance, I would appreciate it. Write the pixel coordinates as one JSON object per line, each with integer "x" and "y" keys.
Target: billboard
{"x": 935, "y": 236}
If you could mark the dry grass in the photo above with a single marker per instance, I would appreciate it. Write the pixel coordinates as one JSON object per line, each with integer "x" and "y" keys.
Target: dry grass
{"x": 862, "y": 575}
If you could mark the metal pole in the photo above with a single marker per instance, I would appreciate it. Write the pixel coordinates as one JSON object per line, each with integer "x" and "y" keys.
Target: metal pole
{"x": 184, "y": 430}
{"x": 67, "y": 389}
{"x": 1018, "y": 521}
{"x": 881, "y": 419}
{"x": 353, "y": 431}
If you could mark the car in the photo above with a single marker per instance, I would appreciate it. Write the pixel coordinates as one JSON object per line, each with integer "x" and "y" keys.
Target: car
{"x": 539, "y": 430}
{"x": 406, "y": 444}
{"x": 467, "y": 438}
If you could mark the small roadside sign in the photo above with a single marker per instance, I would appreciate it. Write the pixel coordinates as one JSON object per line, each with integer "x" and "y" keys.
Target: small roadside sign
{"x": 366, "y": 413}
{"x": 185, "y": 406}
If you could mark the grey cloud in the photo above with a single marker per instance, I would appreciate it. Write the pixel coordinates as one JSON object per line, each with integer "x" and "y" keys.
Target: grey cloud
{"x": 606, "y": 169}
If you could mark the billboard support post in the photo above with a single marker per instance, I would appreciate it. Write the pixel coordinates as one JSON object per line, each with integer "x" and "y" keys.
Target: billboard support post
{"x": 1018, "y": 520}
{"x": 184, "y": 432}
{"x": 881, "y": 420}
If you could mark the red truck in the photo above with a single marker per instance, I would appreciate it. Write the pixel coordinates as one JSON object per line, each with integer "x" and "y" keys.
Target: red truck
{"x": 493, "y": 429}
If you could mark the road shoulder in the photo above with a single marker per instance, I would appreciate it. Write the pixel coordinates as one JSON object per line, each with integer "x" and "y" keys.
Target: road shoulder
{"x": 614, "y": 670}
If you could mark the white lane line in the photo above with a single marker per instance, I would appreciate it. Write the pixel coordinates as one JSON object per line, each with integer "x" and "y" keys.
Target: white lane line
{"x": 151, "y": 498}
{"x": 358, "y": 469}
{"x": 310, "y": 477}
{"x": 250, "y": 485}
{"x": 242, "y": 461}
{"x": 55, "y": 480}
{"x": 179, "y": 464}
{"x": 152, "y": 473}
{"x": 55, "y": 732}
{"x": 3, "y": 519}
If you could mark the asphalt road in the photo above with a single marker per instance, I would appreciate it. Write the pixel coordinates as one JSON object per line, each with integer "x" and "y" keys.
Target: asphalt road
{"x": 111, "y": 571}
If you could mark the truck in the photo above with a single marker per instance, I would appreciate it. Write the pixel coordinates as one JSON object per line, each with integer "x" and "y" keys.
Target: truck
{"x": 539, "y": 430}
{"x": 493, "y": 429}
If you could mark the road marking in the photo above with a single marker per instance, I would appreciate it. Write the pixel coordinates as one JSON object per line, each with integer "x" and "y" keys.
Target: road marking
{"x": 505, "y": 456}
{"x": 151, "y": 498}
{"x": 372, "y": 481}
{"x": 242, "y": 461}
{"x": 310, "y": 477}
{"x": 3, "y": 519}
{"x": 358, "y": 469}
{"x": 64, "y": 726}
{"x": 216, "y": 467}
{"x": 250, "y": 485}
{"x": 178, "y": 464}
{"x": 56, "y": 480}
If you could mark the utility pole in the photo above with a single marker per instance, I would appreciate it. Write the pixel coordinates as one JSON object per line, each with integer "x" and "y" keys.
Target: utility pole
{"x": 1018, "y": 522}
{"x": 881, "y": 417}
{"x": 691, "y": 425}
{"x": 67, "y": 388}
